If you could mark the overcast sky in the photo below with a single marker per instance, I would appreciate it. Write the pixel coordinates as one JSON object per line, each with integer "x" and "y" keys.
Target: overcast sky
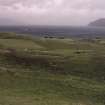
{"x": 51, "y": 12}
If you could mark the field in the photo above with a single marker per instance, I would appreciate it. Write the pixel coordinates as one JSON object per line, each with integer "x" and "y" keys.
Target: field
{"x": 51, "y": 71}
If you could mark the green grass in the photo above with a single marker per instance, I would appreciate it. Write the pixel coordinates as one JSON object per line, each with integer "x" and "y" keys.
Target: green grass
{"x": 29, "y": 88}
{"x": 19, "y": 44}
{"x": 42, "y": 71}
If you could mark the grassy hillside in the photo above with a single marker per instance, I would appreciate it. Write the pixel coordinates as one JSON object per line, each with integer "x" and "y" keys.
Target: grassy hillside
{"x": 51, "y": 71}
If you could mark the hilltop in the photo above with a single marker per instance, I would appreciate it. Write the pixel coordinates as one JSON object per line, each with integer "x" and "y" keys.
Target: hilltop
{"x": 98, "y": 23}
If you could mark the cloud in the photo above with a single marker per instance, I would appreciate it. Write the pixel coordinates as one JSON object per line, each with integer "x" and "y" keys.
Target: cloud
{"x": 52, "y": 12}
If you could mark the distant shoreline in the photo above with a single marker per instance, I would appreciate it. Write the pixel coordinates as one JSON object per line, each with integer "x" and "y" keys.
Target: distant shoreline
{"x": 56, "y": 31}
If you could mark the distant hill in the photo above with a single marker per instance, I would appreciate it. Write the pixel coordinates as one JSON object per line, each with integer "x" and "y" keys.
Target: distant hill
{"x": 98, "y": 23}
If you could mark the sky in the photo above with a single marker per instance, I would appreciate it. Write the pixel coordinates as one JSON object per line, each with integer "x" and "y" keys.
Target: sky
{"x": 51, "y": 12}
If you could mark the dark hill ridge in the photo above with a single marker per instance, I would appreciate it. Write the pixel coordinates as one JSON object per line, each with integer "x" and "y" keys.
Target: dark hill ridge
{"x": 98, "y": 23}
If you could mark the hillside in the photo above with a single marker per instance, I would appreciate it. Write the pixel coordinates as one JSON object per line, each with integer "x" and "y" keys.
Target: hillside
{"x": 51, "y": 71}
{"x": 98, "y": 23}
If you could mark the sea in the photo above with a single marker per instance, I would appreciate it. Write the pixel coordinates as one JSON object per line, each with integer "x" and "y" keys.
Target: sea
{"x": 56, "y": 31}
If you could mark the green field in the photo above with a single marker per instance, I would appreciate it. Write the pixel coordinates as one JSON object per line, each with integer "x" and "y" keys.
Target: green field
{"x": 51, "y": 71}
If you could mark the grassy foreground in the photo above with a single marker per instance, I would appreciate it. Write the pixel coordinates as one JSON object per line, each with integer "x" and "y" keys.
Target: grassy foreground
{"x": 51, "y": 71}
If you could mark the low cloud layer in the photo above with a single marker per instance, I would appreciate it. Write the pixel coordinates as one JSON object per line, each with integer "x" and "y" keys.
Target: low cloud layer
{"x": 51, "y": 12}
